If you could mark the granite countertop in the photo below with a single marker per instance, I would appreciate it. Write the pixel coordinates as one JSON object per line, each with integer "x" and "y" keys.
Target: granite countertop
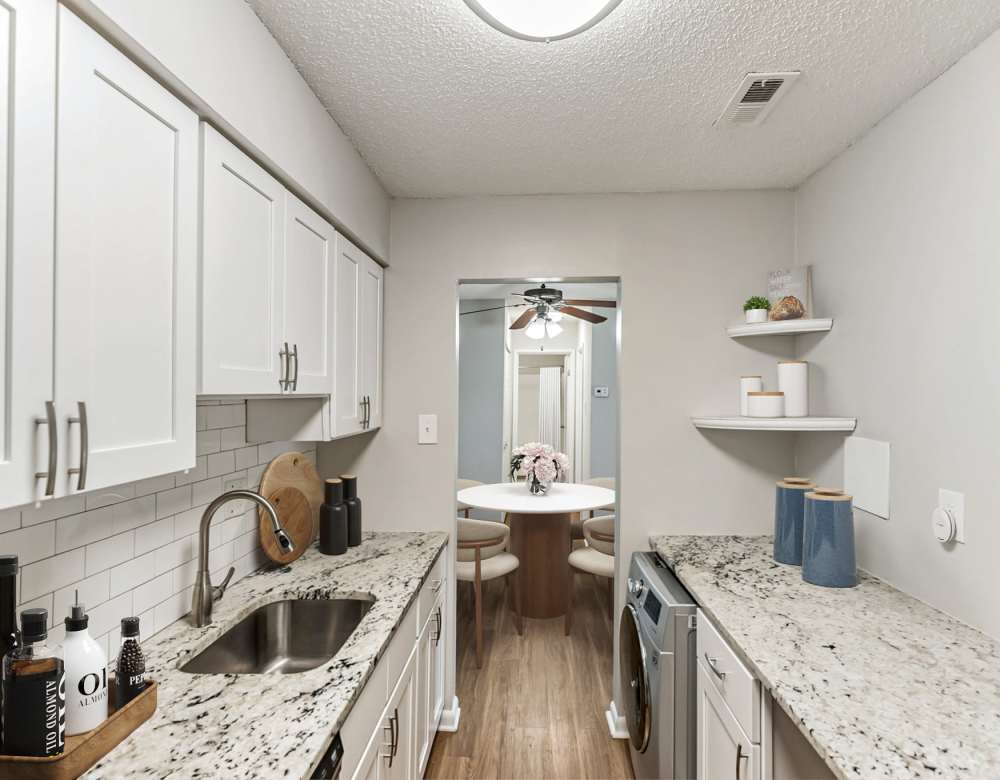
{"x": 881, "y": 684}
{"x": 227, "y": 726}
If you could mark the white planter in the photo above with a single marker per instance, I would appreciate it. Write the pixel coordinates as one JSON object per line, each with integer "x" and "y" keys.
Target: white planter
{"x": 755, "y": 316}
{"x": 766, "y": 404}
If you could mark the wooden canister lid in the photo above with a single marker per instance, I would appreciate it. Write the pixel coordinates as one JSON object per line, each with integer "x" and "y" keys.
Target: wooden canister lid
{"x": 796, "y": 483}
{"x": 828, "y": 494}
{"x": 793, "y": 362}
{"x": 333, "y": 481}
{"x": 750, "y": 376}
{"x": 766, "y": 392}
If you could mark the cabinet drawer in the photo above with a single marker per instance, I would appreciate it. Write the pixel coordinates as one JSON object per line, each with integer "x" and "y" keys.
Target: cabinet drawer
{"x": 363, "y": 718}
{"x": 731, "y": 678}
{"x": 431, "y": 590}
{"x": 400, "y": 648}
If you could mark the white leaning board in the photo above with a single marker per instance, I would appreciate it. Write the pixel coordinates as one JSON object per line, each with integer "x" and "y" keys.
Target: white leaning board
{"x": 866, "y": 474}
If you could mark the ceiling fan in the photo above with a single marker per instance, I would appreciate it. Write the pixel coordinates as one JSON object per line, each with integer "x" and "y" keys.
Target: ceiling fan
{"x": 546, "y": 307}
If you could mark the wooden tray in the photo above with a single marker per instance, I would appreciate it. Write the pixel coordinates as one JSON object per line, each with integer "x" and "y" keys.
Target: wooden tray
{"x": 82, "y": 751}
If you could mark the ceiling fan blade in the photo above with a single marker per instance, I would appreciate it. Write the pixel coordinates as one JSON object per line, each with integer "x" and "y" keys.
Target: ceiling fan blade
{"x": 582, "y": 315}
{"x": 493, "y": 308}
{"x": 523, "y": 320}
{"x": 584, "y": 302}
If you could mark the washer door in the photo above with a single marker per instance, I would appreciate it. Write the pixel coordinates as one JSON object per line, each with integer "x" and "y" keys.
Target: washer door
{"x": 634, "y": 679}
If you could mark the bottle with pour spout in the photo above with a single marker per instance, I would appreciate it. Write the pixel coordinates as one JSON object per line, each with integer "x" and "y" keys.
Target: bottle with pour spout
{"x": 86, "y": 674}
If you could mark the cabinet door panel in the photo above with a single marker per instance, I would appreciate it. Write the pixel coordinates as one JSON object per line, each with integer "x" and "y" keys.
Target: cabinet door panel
{"x": 347, "y": 380}
{"x": 126, "y": 243}
{"x": 27, "y": 205}
{"x": 242, "y": 272}
{"x": 724, "y": 750}
{"x": 310, "y": 251}
{"x": 371, "y": 340}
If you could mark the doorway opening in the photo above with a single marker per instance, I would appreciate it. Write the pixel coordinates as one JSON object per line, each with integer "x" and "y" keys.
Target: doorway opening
{"x": 536, "y": 571}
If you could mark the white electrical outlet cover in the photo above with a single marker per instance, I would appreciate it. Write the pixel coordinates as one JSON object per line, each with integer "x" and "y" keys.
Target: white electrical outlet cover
{"x": 866, "y": 474}
{"x": 427, "y": 429}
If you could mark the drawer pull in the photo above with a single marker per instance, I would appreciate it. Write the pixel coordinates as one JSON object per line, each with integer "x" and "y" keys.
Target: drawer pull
{"x": 81, "y": 420}
{"x": 712, "y": 664}
{"x": 740, "y": 757}
{"x": 50, "y": 474}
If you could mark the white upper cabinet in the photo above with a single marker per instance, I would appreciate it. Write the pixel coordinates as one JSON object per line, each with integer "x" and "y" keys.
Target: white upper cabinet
{"x": 310, "y": 253}
{"x": 27, "y": 202}
{"x": 357, "y": 394}
{"x": 126, "y": 265}
{"x": 242, "y": 277}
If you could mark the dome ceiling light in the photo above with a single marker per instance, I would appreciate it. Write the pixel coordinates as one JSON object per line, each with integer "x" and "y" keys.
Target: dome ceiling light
{"x": 542, "y": 20}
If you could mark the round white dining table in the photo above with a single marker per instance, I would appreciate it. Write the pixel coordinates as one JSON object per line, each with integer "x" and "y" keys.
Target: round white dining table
{"x": 540, "y": 535}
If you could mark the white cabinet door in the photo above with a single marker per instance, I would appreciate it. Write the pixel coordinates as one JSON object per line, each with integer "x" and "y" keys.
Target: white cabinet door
{"x": 27, "y": 208}
{"x": 400, "y": 761}
{"x": 126, "y": 265}
{"x": 437, "y": 668}
{"x": 372, "y": 279}
{"x": 347, "y": 390}
{"x": 242, "y": 273}
{"x": 430, "y": 684}
{"x": 724, "y": 750}
{"x": 370, "y": 767}
{"x": 310, "y": 252}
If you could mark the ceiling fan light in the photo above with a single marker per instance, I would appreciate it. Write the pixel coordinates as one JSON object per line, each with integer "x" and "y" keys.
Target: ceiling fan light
{"x": 536, "y": 330}
{"x": 552, "y": 329}
{"x": 555, "y": 315}
{"x": 542, "y": 20}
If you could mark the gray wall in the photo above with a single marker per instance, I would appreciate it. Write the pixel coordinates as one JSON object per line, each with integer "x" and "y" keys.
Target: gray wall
{"x": 480, "y": 391}
{"x": 903, "y": 234}
{"x": 603, "y": 411}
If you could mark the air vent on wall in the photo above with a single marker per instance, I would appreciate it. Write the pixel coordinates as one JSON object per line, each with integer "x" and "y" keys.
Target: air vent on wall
{"x": 756, "y": 97}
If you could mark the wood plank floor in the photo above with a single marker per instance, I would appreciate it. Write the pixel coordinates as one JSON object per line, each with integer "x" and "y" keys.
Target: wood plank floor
{"x": 536, "y": 708}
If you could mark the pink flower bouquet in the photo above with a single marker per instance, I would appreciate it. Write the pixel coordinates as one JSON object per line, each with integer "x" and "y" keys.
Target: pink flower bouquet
{"x": 539, "y": 465}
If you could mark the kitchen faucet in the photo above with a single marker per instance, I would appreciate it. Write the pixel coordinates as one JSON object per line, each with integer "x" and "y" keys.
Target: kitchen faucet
{"x": 206, "y": 594}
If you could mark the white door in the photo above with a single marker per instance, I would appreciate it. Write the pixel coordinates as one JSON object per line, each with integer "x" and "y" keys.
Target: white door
{"x": 347, "y": 393}
{"x": 310, "y": 252}
{"x": 126, "y": 264}
{"x": 27, "y": 208}
{"x": 724, "y": 751}
{"x": 241, "y": 277}
{"x": 371, "y": 341}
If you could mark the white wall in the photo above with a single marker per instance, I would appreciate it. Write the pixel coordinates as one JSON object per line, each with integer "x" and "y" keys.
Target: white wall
{"x": 686, "y": 261}
{"x": 237, "y": 76}
{"x": 132, "y": 549}
{"x": 903, "y": 231}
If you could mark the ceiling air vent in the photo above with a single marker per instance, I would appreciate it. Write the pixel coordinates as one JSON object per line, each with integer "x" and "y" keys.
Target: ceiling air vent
{"x": 756, "y": 96}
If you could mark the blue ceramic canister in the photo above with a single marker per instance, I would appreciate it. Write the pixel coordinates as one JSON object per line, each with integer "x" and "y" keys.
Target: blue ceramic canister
{"x": 789, "y": 517}
{"x": 828, "y": 540}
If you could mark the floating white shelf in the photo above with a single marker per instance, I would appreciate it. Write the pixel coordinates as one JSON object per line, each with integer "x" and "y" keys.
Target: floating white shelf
{"x": 782, "y": 328}
{"x": 777, "y": 423}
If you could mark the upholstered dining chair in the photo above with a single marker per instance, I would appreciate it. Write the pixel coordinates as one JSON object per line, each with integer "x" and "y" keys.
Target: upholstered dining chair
{"x": 462, "y": 484}
{"x": 597, "y": 558}
{"x": 481, "y": 556}
{"x": 576, "y": 524}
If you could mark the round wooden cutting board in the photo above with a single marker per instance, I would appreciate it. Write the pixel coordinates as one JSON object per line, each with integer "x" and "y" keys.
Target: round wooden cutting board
{"x": 295, "y": 515}
{"x": 293, "y": 469}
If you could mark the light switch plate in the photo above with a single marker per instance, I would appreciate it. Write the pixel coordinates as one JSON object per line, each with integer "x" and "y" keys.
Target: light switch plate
{"x": 866, "y": 474}
{"x": 427, "y": 429}
{"x": 601, "y": 392}
{"x": 955, "y": 501}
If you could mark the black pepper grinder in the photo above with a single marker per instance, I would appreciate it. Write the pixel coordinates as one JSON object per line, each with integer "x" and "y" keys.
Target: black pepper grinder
{"x": 353, "y": 504}
{"x": 130, "y": 671}
{"x": 333, "y": 519}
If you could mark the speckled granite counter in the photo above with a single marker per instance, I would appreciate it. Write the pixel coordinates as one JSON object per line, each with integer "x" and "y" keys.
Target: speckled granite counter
{"x": 883, "y": 685}
{"x": 227, "y": 726}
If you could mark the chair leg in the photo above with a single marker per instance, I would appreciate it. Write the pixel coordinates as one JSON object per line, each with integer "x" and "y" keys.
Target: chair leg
{"x": 516, "y": 585}
{"x": 479, "y": 621}
{"x": 568, "y": 623}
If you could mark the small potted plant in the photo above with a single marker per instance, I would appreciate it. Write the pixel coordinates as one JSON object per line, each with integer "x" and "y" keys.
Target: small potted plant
{"x": 756, "y": 309}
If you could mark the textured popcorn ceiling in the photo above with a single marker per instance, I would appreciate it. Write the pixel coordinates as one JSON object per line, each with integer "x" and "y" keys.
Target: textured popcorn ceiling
{"x": 439, "y": 103}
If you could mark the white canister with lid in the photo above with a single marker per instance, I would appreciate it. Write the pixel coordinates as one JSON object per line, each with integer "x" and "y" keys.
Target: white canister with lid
{"x": 749, "y": 384}
{"x": 768, "y": 404}
{"x": 793, "y": 381}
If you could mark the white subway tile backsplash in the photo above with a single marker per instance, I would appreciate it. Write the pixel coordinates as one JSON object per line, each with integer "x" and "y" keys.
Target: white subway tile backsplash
{"x": 30, "y": 544}
{"x": 51, "y": 574}
{"x": 154, "y": 535}
{"x": 110, "y": 552}
{"x": 132, "y": 548}
{"x": 170, "y": 502}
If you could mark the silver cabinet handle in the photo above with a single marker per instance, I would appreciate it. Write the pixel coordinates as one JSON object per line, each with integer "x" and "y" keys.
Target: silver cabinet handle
{"x": 50, "y": 475}
{"x": 715, "y": 669}
{"x": 368, "y": 411}
{"x": 364, "y": 411}
{"x": 740, "y": 756}
{"x": 437, "y": 626}
{"x": 81, "y": 418}
{"x": 283, "y": 357}
{"x": 295, "y": 374}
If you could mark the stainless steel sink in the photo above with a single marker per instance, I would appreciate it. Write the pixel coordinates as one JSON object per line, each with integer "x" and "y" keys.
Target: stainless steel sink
{"x": 282, "y": 638}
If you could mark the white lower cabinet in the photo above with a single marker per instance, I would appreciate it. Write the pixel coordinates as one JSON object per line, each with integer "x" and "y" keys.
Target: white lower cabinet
{"x": 725, "y": 751}
{"x": 390, "y": 731}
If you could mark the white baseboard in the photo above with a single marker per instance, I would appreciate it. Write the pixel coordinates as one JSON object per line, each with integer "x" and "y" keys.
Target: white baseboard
{"x": 616, "y": 723}
{"x": 450, "y": 717}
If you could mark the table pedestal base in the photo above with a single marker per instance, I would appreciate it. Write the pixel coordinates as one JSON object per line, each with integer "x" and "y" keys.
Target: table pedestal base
{"x": 542, "y": 545}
